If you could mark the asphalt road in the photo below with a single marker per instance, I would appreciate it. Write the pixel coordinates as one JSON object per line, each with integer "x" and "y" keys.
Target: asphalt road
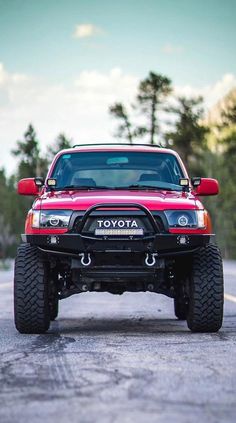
{"x": 118, "y": 359}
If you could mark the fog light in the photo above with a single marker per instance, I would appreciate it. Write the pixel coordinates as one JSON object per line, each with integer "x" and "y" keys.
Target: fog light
{"x": 52, "y": 182}
{"x": 184, "y": 182}
{"x": 53, "y": 240}
{"x": 183, "y": 240}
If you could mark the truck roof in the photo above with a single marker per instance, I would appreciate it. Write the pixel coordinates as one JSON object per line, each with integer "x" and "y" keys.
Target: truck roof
{"x": 118, "y": 147}
{"x": 140, "y": 148}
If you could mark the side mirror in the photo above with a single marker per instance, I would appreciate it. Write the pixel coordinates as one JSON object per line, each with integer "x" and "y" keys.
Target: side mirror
{"x": 29, "y": 186}
{"x": 207, "y": 186}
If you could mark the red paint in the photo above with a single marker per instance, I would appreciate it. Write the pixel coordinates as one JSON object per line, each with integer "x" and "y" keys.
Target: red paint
{"x": 81, "y": 200}
{"x": 27, "y": 186}
{"x": 208, "y": 186}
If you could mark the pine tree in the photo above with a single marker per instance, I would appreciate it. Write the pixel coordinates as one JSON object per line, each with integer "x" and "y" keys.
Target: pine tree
{"x": 188, "y": 137}
{"x": 124, "y": 128}
{"x": 60, "y": 143}
{"x": 27, "y": 152}
{"x": 152, "y": 93}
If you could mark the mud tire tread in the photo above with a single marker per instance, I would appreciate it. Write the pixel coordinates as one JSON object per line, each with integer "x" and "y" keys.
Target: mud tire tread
{"x": 31, "y": 305}
{"x": 206, "y": 297}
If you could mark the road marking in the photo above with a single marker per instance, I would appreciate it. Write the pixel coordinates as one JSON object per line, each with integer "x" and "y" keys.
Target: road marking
{"x": 230, "y": 297}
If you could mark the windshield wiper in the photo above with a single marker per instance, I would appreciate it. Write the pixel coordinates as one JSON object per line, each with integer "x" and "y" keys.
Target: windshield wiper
{"x": 150, "y": 187}
{"x": 81, "y": 187}
{"x": 103, "y": 187}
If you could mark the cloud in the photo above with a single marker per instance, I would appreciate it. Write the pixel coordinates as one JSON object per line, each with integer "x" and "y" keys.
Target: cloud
{"x": 172, "y": 49}
{"x": 114, "y": 84}
{"x": 211, "y": 93}
{"x": 79, "y": 109}
{"x": 87, "y": 31}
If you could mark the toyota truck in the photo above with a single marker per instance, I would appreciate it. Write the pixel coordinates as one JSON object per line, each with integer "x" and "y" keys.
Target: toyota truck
{"x": 117, "y": 218}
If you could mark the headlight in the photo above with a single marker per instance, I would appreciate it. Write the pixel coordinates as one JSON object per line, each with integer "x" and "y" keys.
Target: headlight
{"x": 51, "y": 218}
{"x": 194, "y": 219}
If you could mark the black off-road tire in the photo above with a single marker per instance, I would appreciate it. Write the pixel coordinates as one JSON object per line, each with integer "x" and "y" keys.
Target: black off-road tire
{"x": 206, "y": 291}
{"x": 31, "y": 303}
{"x": 181, "y": 309}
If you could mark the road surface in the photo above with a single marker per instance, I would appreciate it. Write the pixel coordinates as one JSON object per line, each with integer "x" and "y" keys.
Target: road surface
{"x": 118, "y": 359}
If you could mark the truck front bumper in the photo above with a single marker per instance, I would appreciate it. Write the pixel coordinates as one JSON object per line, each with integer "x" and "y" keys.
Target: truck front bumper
{"x": 163, "y": 244}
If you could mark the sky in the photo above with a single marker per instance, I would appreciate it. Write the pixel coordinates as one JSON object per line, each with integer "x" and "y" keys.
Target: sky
{"x": 63, "y": 62}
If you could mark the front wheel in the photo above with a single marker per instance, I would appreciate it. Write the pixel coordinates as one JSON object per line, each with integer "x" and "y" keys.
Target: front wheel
{"x": 206, "y": 291}
{"x": 31, "y": 289}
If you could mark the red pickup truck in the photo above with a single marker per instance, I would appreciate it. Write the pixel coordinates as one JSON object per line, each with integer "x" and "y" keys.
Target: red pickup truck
{"x": 118, "y": 218}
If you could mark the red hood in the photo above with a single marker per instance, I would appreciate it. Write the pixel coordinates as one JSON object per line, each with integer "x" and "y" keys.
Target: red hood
{"x": 82, "y": 200}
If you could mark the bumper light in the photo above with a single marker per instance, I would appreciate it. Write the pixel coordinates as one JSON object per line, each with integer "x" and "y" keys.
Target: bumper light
{"x": 183, "y": 240}
{"x": 53, "y": 240}
{"x": 129, "y": 232}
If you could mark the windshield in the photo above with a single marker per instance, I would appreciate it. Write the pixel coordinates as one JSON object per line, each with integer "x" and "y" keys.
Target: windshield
{"x": 117, "y": 170}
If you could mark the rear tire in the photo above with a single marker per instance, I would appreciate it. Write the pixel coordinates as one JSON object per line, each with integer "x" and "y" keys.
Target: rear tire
{"x": 206, "y": 291}
{"x": 31, "y": 302}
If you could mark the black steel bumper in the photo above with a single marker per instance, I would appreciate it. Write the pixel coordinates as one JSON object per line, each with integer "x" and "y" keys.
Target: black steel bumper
{"x": 163, "y": 244}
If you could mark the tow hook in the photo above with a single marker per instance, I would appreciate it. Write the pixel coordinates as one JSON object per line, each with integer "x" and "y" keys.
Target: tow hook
{"x": 83, "y": 260}
{"x": 150, "y": 259}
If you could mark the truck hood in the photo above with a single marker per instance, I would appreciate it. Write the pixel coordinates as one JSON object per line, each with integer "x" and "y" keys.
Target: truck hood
{"x": 82, "y": 200}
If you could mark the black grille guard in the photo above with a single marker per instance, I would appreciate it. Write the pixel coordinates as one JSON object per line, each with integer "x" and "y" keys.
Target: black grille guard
{"x": 119, "y": 206}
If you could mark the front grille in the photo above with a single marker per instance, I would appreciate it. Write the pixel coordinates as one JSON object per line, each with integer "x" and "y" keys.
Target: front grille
{"x": 160, "y": 224}
{"x": 141, "y": 220}
{"x": 75, "y": 227}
